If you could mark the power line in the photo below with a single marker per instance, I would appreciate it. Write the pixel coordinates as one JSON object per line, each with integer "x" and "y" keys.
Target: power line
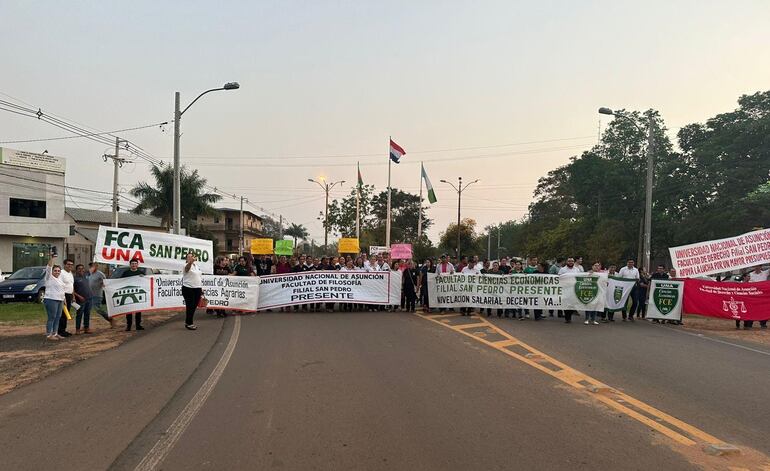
{"x": 60, "y": 138}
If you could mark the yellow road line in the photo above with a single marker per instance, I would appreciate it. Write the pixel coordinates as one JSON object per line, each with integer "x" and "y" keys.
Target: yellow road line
{"x": 634, "y": 408}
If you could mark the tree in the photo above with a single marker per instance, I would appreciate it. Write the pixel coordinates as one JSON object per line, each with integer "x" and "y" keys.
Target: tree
{"x": 405, "y": 210}
{"x": 271, "y": 228}
{"x": 298, "y": 231}
{"x": 157, "y": 199}
{"x": 468, "y": 246}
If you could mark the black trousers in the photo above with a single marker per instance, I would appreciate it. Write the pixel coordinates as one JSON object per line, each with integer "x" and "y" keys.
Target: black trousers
{"x": 191, "y": 297}
{"x": 130, "y": 319}
{"x": 63, "y": 320}
{"x": 568, "y": 315}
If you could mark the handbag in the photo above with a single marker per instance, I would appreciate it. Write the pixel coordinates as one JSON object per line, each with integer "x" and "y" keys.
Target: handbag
{"x": 203, "y": 302}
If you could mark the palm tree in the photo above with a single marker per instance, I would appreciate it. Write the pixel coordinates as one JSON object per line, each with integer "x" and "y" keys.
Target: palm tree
{"x": 297, "y": 231}
{"x": 158, "y": 199}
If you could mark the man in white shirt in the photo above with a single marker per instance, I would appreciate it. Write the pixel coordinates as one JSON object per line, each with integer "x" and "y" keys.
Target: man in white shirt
{"x": 569, "y": 268}
{"x": 631, "y": 272}
{"x": 381, "y": 264}
{"x": 444, "y": 267}
{"x": 69, "y": 287}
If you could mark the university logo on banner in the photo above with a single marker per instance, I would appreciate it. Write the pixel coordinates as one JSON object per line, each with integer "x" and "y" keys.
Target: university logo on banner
{"x": 618, "y": 290}
{"x": 665, "y": 300}
{"x": 586, "y": 288}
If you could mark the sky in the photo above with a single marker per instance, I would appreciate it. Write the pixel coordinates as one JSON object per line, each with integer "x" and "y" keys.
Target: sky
{"x": 515, "y": 86}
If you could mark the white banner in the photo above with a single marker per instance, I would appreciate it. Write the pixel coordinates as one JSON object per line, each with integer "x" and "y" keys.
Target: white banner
{"x": 717, "y": 256}
{"x": 330, "y": 287}
{"x": 115, "y": 245}
{"x": 666, "y": 298}
{"x": 618, "y": 290}
{"x": 378, "y": 249}
{"x": 583, "y": 292}
{"x": 161, "y": 292}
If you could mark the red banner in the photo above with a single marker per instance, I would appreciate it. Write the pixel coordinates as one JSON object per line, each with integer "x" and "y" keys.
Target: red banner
{"x": 739, "y": 301}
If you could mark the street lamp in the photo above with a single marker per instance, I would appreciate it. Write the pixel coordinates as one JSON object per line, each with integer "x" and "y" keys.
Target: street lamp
{"x": 459, "y": 189}
{"x": 326, "y": 187}
{"x": 648, "y": 193}
{"x": 177, "y": 210}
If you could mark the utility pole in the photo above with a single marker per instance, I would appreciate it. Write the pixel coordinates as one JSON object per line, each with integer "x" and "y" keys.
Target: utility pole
{"x": 459, "y": 189}
{"x": 177, "y": 200}
{"x": 241, "y": 243}
{"x": 489, "y": 244}
{"x": 648, "y": 193}
{"x": 499, "y": 229}
{"x": 280, "y": 226}
{"x": 117, "y": 162}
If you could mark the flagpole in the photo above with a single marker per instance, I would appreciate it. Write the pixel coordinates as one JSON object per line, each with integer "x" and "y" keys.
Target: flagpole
{"x": 358, "y": 201}
{"x": 387, "y": 220}
{"x": 419, "y": 217}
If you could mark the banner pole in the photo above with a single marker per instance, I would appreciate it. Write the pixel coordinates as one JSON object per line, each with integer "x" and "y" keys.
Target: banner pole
{"x": 419, "y": 213}
{"x": 387, "y": 220}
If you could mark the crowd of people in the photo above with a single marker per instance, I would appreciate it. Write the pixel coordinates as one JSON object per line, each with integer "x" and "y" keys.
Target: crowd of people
{"x": 76, "y": 289}
{"x": 70, "y": 285}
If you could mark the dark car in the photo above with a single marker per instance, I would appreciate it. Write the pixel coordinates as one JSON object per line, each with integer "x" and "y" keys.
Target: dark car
{"x": 26, "y": 284}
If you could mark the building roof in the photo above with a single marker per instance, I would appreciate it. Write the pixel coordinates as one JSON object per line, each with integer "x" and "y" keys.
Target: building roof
{"x": 105, "y": 217}
{"x": 246, "y": 211}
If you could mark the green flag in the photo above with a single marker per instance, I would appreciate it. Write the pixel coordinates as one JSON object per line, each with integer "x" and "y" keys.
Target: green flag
{"x": 431, "y": 193}
{"x": 360, "y": 180}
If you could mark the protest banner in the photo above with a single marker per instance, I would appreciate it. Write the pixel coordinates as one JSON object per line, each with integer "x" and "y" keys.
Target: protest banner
{"x": 284, "y": 247}
{"x": 330, "y": 286}
{"x": 618, "y": 290}
{"x": 116, "y": 245}
{"x": 348, "y": 245}
{"x": 728, "y": 300}
{"x": 717, "y": 256}
{"x": 401, "y": 251}
{"x": 581, "y": 292}
{"x": 378, "y": 249}
{"x": 666, "y": 298}
{"x": 163, "y": 292}
{"x": 261, "y": 246}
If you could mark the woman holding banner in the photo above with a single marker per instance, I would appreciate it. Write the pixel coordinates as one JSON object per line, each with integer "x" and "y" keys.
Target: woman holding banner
{"x": 192, "y": 289}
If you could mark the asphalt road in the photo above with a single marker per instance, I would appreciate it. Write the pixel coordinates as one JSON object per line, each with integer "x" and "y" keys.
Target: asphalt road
{"x": 380, "y": 391}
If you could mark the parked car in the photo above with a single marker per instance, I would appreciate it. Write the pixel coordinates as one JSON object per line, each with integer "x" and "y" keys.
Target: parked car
{"x": 26, "y": 284}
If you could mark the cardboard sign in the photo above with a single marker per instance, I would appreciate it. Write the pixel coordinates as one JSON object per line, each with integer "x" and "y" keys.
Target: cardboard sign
{"x": 401, "y": 251}
{"x": 284, "y": 247}
{"x": 348, "y": 245}
{"x": 261, "y": 246}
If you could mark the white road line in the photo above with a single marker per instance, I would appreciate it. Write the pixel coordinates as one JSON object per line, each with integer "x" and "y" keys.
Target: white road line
{"x": 158, "y": 453}
{"x": 701, "y": 336}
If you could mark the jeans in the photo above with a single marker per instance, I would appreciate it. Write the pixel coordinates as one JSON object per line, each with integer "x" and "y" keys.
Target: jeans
{"x": 84, "y": 315}
{"x": 591, "y": 316}
{"x": 53, "y": 310}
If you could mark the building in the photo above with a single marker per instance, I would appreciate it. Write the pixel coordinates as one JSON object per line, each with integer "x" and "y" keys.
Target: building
{"x": 225, "y": 227}
{"x": 32, "y": 219}
{"x": 85, "y": 227}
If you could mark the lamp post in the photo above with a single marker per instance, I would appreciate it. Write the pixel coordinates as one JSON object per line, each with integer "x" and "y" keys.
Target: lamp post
{"x": 459, "y": 189}
{"x": 646, "y": 243}
{"x": 177, "y": 210}
{"x": 326, "y": 187}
